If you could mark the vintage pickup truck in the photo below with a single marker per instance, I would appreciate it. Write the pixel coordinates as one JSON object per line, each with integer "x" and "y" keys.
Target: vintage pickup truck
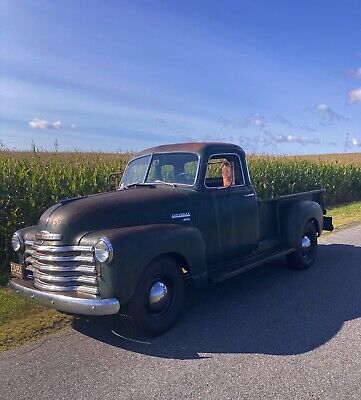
{"x": 182, "y": 213}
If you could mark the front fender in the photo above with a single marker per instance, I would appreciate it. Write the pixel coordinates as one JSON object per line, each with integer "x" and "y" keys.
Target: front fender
{"x": 296, "y": 217}
{"x": 135, "y": 247}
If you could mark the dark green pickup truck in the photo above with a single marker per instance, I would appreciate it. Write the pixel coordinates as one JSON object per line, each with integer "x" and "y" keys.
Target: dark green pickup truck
{"x": 182, "y": 213}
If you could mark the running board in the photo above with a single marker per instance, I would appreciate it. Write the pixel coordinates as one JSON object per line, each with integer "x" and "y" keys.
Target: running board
{"x": 238, "y": 267}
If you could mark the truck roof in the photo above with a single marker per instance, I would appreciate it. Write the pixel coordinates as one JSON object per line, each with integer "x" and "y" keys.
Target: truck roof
{"x": 204, "y": 148}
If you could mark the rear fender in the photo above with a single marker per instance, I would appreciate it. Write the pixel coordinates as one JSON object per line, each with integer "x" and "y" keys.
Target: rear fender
{"x": 295, "y": 218}
{"x": 135, "y": 247}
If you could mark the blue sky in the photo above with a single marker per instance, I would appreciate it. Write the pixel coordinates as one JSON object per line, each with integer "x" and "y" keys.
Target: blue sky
{"x": 273, "y": 76}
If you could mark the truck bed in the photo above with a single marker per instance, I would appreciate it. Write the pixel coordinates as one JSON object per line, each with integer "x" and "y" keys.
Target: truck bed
{"x": 314, "y": 195}
{"x": 271, "y": 209}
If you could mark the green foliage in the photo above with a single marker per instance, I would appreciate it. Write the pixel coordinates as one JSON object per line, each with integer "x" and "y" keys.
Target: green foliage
{"x": 276, "y": 176}
{"x": 30, "y": 182}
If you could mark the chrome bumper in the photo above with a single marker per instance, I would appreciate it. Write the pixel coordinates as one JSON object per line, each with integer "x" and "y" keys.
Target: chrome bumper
{"x": 66, "y": 303}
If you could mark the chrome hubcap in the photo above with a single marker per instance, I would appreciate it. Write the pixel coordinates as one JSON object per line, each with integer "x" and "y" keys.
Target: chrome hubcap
{"x": 159, "y": 296}
{"x": 306, "y": 245}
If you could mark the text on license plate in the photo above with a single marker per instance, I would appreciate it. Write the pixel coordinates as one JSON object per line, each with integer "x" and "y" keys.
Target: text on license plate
{"x": 16, "y": 270}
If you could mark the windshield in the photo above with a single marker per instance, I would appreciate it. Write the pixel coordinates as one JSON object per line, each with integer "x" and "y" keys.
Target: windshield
{"x": 171, "y": 168}
{"x": 136, "y": 171}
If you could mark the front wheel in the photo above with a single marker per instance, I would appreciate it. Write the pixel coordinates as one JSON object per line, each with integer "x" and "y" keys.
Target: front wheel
{"x": 306, "y": 251}
{"x": 158, "y": 298}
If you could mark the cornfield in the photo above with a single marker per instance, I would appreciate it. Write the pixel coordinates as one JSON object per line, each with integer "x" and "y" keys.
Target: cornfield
{"x": 32, "y": 181}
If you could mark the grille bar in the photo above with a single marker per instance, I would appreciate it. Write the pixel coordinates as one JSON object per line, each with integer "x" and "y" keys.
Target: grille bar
{"x": 56, "y": 288}
{"x": 64, "y": 279}
{"x": 41, "y": 257}
{"x": 87, "y": 269}
{"x": 60, "y": 249}
{"x": 61, "y": 268}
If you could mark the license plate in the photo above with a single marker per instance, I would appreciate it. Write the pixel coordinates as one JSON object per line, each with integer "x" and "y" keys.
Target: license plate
{"x": 16, "y": 270}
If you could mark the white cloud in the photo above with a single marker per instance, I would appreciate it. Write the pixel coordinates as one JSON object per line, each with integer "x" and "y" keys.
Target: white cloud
{"x": 354, "y": 96}
{"x": 271, "y": 140}
{"x": 37, "y": 123}
{"x": 329, "y": 116}
{"x": 295, "y": 139}
{"x": 255, "y": 120}
{"x": 322, "y": 107}
{"x": 356, "y": 142}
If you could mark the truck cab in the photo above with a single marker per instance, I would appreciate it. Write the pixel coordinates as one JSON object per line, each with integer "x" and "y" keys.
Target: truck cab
{"x": 182, "y": 213}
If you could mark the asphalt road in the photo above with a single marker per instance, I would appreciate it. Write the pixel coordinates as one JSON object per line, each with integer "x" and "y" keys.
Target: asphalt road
{"x": 270, "y": 333}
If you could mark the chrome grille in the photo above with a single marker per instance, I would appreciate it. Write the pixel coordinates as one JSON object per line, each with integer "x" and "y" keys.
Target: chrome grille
{"x": 61, "y": 268}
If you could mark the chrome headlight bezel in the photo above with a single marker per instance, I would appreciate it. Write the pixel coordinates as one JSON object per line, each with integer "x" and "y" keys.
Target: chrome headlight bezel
{"x": 17, "y": 242}
{"x": 103, "y": 250}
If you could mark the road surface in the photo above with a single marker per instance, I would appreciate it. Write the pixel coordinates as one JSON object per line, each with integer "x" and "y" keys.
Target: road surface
{"x": 269, "y": 333}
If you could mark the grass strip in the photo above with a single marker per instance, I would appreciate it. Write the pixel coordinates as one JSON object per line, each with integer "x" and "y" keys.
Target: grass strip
{"x": 22, "y": 321}
{"x": 345, "y": 215}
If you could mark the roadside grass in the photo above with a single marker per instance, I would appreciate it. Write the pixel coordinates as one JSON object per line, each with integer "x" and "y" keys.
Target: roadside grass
{"x": 22, "y": 321}
{"x": 345, "y": 215}
{"x": 3, "y": 281}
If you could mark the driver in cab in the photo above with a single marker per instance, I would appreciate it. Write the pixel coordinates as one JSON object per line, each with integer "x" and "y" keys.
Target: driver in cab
{"x": 227, "y": 174}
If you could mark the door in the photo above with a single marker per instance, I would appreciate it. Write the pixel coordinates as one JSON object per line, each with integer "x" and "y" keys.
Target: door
{"x": 235, "y": 207}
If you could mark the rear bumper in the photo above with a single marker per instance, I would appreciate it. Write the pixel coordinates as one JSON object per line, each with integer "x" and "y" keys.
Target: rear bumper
{"x": 65, "y": 303}
{"x": 327, "y": 224}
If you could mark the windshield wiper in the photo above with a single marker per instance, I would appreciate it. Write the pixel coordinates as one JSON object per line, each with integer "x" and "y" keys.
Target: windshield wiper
{"x": 166, "y": 183}
{"x": 135, "y": 184}
{"x": 150, "y": 184}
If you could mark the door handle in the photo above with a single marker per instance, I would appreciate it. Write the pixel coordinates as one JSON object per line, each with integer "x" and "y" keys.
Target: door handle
{"x": 249, "y": 195}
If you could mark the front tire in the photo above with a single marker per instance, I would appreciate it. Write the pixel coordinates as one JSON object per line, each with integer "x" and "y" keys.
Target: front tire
{"x": 159, "y": 297}
{"x": 306, "y": 251}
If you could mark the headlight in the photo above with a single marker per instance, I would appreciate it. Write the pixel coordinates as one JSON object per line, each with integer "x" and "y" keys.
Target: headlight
{"x": 17, "y": 241}
{"x": 103, "y": 250}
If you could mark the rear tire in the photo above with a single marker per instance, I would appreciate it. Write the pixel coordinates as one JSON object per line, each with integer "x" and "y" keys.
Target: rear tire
{"x": 158, "y": 298}
{"x": 306, "y": 250}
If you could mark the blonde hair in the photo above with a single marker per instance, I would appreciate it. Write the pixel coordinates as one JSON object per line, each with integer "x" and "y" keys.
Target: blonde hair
{"x": 227, "y": 167}
{"x": 226, "y": 164}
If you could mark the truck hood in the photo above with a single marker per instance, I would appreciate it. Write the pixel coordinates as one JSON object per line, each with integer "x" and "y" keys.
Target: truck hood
{"x": 74, "y": 218}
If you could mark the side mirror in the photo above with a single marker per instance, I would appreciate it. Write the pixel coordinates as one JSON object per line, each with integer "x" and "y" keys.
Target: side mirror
{"x": 114, "y": 180}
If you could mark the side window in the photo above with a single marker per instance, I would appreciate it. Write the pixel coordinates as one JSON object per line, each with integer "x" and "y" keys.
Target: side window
{"x": 223, "y": 171}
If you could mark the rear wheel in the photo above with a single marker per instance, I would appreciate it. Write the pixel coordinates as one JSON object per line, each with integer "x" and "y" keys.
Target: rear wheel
{"x": 159, "y": 297}
{"x": 306, "y": 250}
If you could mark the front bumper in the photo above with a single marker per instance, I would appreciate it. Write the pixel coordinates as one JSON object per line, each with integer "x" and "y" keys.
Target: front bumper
{"x": 65, "y": 303}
